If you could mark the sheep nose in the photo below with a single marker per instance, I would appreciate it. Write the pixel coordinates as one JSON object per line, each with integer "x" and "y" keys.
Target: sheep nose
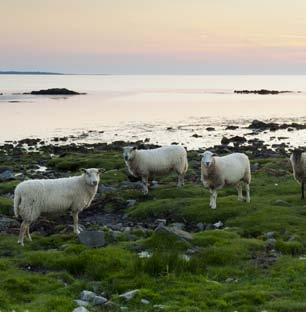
{"x": 207, "y": 164}
{"x": 94, "y": 182}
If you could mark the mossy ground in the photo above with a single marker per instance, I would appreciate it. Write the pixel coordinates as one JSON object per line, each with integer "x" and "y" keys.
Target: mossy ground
{"x": 228, "y": 272}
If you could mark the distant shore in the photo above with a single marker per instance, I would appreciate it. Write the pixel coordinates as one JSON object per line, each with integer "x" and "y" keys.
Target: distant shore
{"x": 12, "y": 72}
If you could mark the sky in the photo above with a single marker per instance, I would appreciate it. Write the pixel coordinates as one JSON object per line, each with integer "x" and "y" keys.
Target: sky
{"x": 154, "y": 36}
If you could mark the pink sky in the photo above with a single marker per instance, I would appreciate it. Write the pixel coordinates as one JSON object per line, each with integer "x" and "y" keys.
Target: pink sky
{"x": 145, "y": 36}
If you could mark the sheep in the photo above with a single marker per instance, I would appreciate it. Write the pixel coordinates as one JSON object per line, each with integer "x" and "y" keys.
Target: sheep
{"x": 217, "y": 172}
{"x": 298, "y": 163}
{"x": 34, "y": 197}
{"x": 156, "y": 162}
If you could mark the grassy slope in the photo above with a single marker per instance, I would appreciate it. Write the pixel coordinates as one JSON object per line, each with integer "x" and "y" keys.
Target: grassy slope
{"x": 224, "y": 275}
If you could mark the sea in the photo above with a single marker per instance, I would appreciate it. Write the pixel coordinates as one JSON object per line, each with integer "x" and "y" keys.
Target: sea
{"x": 161, "y": 109}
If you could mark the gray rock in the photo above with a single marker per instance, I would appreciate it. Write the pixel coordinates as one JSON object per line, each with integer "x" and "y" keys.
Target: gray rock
{"x": 145, "y": 301}
{"x": 92, "y": 238}
{"x": 269, "y": 235}
{"x": 210, "y": 227}
{"x": 130, "y": 203}
{"x": 93, "y": 298}
{"x": 271, "y": 242}
{"x": 81, "y": 303}
{"x": 178, "y": 225}
{"x": 129, "y": 295}
{"x": 280, "y": 202}
{"x": 124, "y": 308}
{"x": 173, "y": 231}
{"x": 106, "y": 189}
{"x": 87, "y": 295}
{"x": 99, "y": 300}
{"x": 160, "y": 221}
{"x": 154, "y": 185}
{"x": 201, "y": 226}
{"x": 6, "y": 223}
{"x": 218, "y": 225}
{"x": 159, "y": 307}
{"x": 254, "y": 167}
{"x": 80, "y": 309}
{"x": 7, "y": 175}
{"x": 131, "y": 185}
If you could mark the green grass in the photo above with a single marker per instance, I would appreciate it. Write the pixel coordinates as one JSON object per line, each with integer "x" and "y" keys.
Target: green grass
{"x": 227, "y": 271}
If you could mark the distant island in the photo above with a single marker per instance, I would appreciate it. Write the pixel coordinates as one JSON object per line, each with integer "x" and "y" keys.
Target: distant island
{"x": 12, "y": 72}
{"x": 262, "y": 91}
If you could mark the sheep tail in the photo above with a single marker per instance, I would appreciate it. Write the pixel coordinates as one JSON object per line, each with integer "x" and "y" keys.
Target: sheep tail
{"x": 17, "y": 201}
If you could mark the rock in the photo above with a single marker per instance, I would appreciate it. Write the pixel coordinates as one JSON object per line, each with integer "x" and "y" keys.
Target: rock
{"x": 159, "y": 306}
{"x": 129, "y": 295}
{"x": 106, "y": 189}
{"x": 144, "y": 254}
{"x": 6, "y": 223}
{"x": 145, "y": 301}
{"x": 231, "y": 127}
{"x": 92, "y": 238}
{"x": 131, "y": 185}
{"x": 254, "y": 167}
{"x": 160, "y": 221}
{"x": 130, "y": 203}
{"x": 261, "y": 91}
{"x": 80, "y": 309}
{"x": 269, "y": 235}
{"x": 210, "y": 129}
{"x": 178, "y": 225}
{"x": 201, "y": 226}
{"x": 180, "y": 234}
{"x": 55, "y": 91}
{"x": 99, "y": 300}
{"x": 280, "y": 202}
{"x": 218, "y": 225}
{"x": 7, "y": 175}
{"x": 271, "y": 242}
{"x": 81, "y": 303}
{"x": 92, "y": 298}
{"x": 197, "y": 135}
{"x": 225, "y": 141}
{"x": 154, "y": 185}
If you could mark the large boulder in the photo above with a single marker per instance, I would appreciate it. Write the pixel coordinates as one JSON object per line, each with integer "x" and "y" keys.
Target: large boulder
{"x": 54, "y": 91}
{"x": 6, "y": 175}
{"x": 92, "y": 239}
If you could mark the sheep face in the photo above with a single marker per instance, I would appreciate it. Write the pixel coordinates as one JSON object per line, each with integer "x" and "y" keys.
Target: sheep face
{"x": 208, "y": 158}
{"x": 92, "y": 176}
{"x": 297, "y": 154}
{"x": 129, "y": 153}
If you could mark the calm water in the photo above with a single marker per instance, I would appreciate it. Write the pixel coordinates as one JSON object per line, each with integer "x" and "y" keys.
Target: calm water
{"x": 138, "y": 107}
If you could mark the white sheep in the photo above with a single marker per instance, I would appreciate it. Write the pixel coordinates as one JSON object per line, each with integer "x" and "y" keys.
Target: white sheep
{"x": 156, "y": 162}
{"x": 217, "y": 172}
{"x": 34, "y": 197}
{"x": 298, "y": 162}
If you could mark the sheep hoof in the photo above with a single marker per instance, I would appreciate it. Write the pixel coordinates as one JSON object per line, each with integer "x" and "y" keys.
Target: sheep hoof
{"x": 241, "y": 198}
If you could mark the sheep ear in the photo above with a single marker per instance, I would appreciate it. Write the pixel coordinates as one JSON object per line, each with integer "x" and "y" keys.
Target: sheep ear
{"x": 134, "y": 148}
{"x": 83, "y": 170}
{"x": 214, "y": 154}
{"x": 101, "y": 170}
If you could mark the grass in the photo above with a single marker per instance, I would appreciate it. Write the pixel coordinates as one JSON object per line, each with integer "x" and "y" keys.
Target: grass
{"x": 228, "y": 269}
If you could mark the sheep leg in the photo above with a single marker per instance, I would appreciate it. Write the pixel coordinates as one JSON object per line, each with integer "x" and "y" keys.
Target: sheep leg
{"x": 28, "y": 232}
{"x": 180, "y": 181}
{"x": 239, "y": 189}
{"x": 23, "y": 228}
{"x": 213, "y": 199}
{"x": 247, "y": 190}
{"x": 302, "y": 190}
{"x": 75, "y": 216}
{"x": 145, "y": 185}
